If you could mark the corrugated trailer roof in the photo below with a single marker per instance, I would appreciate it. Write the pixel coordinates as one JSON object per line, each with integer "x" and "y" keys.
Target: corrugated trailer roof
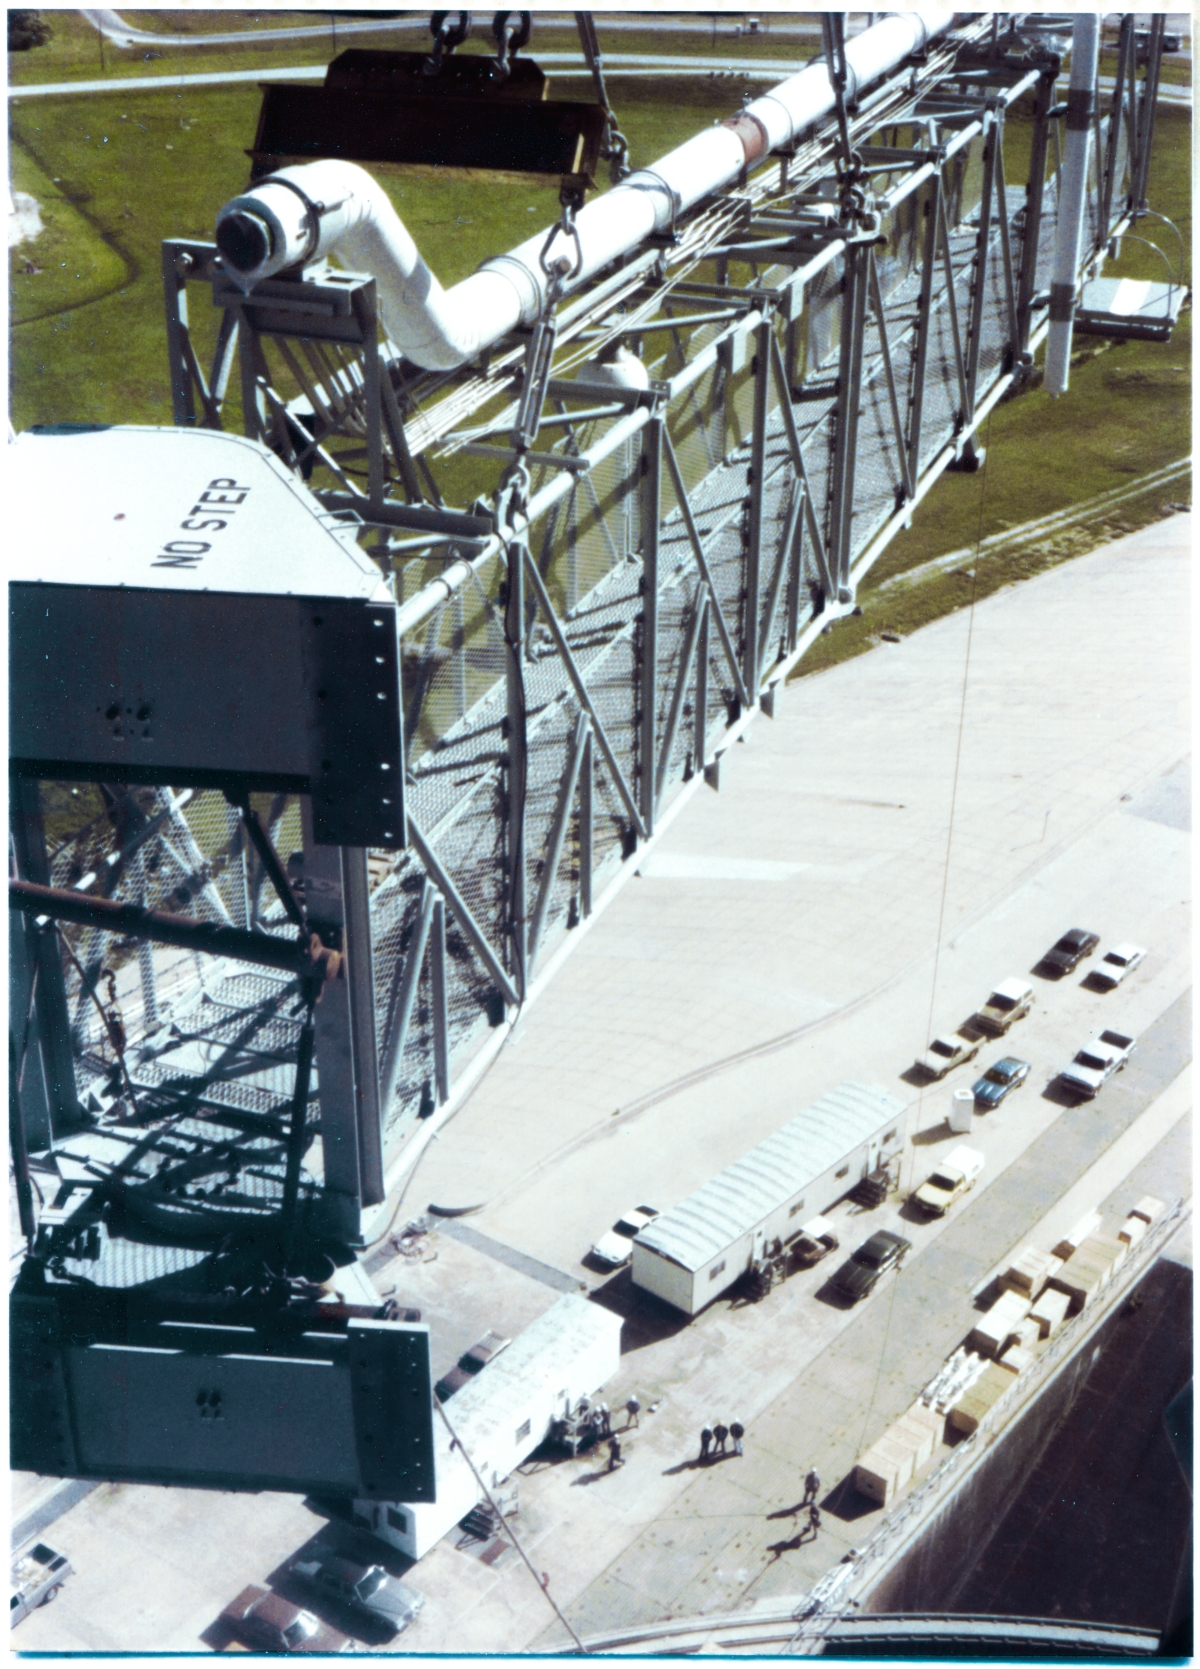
{"x": 731, "y": 1204}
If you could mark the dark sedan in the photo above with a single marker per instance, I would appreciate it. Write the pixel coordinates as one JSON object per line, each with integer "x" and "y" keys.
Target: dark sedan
{"x": 1069, "y": 952}
{"x": 364, "y": 1588}
{"x": 883, "y": 1251}
{"x": 1001, "y": 1077}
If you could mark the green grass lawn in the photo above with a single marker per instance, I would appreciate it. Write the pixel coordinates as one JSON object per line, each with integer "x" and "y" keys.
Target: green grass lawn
{"x": 75, "y": 51}
{"x": 117, "y": 173}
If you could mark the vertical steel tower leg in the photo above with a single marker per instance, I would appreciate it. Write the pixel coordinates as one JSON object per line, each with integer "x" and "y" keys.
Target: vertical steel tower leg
{"x": 763, "y": 345}
{"x": 1035, "y": 191}
{"x": 651, "y": 504}
{"x": 845, "y": 447}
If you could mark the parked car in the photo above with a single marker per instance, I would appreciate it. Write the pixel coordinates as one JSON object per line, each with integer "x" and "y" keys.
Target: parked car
{"x": 266, "y": 1622}
{"x": 1010, "y": 1001}
{"x": 1000, "y": 1079}
{"x": 945, "y": 1053}
{"x": 1115, "y": 964}
{"x": 470, "y": 1363}
{"x": 1067, "y": 953}
{"x": 616, "y": 1247}
{"x": 883, "y": 1251}
{"x": 953, "y": 1177}
{"x": 814, "y": 1241}
{"x": 1096, "y": 1062}
{"x": 367, "y": 1589}
{"x": 38, "y": 1572}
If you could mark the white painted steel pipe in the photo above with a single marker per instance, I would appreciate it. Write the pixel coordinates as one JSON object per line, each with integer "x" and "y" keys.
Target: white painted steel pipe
{"x": 1068, "y": 242}
{"x": 301, "y": 213}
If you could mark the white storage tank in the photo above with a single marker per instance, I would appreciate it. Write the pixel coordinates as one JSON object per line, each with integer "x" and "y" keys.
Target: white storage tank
{"x": 502, "y": 1416}
{"x": 698, "y": 1249}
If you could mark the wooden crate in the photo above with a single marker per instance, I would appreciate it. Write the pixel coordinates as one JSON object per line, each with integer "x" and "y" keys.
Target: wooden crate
{"x": 981, "y": 1398}
{"x": 1072, "y": 1241}
{"x": 1133, "y": 1230}
{"x": 995, "y": 1329}
{"x": 1029, "y": 1271}
{"x": 1148, "y": 1209}
{"x": 1050, "y": 1311}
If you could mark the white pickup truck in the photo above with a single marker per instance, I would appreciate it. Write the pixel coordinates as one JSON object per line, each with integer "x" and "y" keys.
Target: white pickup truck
{"x": 1096, "y": 1062}
{"x": 953, "y": 1177}
{"x": 945, "y": 1053}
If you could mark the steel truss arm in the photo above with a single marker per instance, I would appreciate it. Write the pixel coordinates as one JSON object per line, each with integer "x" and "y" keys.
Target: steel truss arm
{"x": 558, "y": 832}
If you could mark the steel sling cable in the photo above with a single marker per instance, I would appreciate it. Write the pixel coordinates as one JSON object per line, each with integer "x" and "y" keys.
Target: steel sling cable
{"x": 458, "y": 1443}
{"x": 962, "y": 712}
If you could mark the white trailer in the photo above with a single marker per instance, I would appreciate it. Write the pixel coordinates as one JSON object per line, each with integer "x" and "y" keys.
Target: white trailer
{"x": 694, "y": 1252}
{"x": 502, "y": 1416}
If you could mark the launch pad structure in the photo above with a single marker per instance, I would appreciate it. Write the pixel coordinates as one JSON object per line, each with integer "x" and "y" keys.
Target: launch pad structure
{"x": 533, "y": 591}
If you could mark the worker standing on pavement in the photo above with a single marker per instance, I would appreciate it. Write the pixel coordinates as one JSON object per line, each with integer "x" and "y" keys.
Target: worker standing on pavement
{"x": 633, "y": 1408}
{"x": 614, "y": 1453}
{"x": 737, "y": 1432}
{"x": 720, "y": 1432}
{"x": 812, "y": 1486}
{"x": 706, "y": 1438}
{"x": 605, "y": 1420}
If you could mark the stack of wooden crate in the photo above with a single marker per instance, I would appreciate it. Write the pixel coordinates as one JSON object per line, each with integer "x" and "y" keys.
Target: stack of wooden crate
{"x": 982, "y": 1397}
{"x": 1089, "y": 1269}
{"x": 999, "y": 1325}
{"x": 893, "y": 1459}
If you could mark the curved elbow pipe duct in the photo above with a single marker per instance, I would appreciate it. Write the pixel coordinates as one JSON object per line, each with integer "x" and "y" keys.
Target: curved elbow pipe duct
{"x": 313, "y": 209}
{"x": 1068, "y": 242}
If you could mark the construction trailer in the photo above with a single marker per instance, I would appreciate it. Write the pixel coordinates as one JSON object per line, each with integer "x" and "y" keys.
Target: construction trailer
{"x": 697, "y": 1250}
{"x": 501, "y": 1417}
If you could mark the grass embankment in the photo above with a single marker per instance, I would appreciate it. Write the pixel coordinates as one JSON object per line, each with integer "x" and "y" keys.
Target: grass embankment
{"x": 76, "y": 51}
{"x": 122, "y": 171}
{"x": 1126, "y": 414}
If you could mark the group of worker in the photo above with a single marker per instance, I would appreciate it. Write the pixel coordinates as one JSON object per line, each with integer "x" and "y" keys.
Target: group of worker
{"x": 714, "y": 1438}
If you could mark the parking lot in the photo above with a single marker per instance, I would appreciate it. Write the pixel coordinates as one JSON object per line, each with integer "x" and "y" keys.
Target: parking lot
{"x": 912, "y": 828}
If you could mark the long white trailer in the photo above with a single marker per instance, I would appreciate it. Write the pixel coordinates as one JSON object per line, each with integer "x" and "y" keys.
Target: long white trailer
{"x": 502, "y": 1416}
{"x": 697, "y": 1250}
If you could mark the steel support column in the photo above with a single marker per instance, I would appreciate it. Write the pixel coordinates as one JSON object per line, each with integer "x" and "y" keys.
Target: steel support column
{"x": 651, "y": 514}
{"x": 845, "y": 443}
{"x": 764, "y": 343}
{"x": 37, "y": 950}
{"x": 1035, "y": 191}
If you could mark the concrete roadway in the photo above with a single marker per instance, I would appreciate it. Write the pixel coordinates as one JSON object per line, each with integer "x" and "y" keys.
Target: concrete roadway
{"x": 805, "y": 925}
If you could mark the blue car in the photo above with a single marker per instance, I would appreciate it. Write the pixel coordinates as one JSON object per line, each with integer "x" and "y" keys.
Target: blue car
{"x": 1001, "y": 1077}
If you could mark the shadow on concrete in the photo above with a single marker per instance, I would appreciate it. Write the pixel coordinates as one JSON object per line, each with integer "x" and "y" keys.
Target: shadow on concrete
{"x": 934, "y": 1133}
{"x": 917, "y": 1077}
{"x": 1058, "y": 1093}
{"x": 1094, "y": 981}
{"x": 985, "y": 1298}
{"x": 1042, "y": 970}
{"x": 910, "y": 1212}
{"x": 585, "y": 1478}
{"x": 794, "y": 1543}
{"x": 847, "y": 1503}
{"x": 647, "y": 1319}
{"x": 696, "y": 1464}
{"x": 597, "y": 1265}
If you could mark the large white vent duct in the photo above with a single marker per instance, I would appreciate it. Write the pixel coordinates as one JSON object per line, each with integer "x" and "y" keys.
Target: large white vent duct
{"x": 1072, "y": 200}
{"x": 313, "y": 209}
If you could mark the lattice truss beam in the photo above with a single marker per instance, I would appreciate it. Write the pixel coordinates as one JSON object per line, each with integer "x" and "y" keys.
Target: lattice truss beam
{"x": 821, "y": 343}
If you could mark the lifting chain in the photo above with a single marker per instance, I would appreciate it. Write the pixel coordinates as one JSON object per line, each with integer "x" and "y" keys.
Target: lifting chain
{"x": 511, "y": 31}
{"x": 449, "y": 29}
{"x": 616, "y": 148}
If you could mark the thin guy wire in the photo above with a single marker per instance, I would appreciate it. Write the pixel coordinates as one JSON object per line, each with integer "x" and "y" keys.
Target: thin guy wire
{"x": 506, "y": 1526}
{"x": 962, "y": 711}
